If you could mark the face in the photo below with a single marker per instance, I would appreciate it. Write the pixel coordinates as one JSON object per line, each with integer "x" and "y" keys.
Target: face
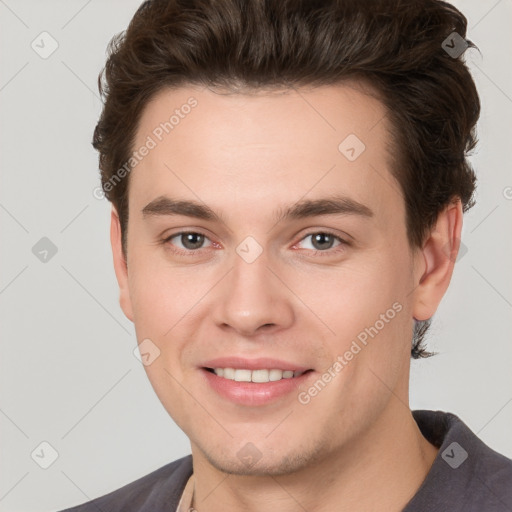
{"x": 266, "y": 233}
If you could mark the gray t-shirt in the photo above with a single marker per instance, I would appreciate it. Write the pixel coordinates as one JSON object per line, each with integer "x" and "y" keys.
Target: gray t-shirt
{"x": 466, "y": 476}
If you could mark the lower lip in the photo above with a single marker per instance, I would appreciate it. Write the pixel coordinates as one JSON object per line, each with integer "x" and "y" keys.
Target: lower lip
{"x": 253, "y": 393}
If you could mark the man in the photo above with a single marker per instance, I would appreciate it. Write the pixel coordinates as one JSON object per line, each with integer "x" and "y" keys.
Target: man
{"x": 288, "y": 181}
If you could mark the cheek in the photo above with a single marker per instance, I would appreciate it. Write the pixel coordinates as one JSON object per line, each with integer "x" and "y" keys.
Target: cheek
{"x": 162, "y": 299}
{"x": 167, "y": 305}
{"x": 162, "y": 294}
{"x": 364, "y": 305}
{"x": 358, "y": 291}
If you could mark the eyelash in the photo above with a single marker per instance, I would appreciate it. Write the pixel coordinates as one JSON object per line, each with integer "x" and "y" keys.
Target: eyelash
{"x": 343, "y": 244}
{"x": 315, "y": 252}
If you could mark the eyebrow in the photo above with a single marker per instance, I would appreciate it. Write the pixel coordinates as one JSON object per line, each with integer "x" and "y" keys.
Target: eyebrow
{"x": 305, "y": 208}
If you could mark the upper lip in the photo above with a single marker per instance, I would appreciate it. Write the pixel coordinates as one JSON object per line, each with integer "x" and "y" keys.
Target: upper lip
{"x": 253, "y": 364}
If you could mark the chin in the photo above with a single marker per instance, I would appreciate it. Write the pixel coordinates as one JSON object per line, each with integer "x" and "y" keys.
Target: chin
{"x": 249, "y": 461}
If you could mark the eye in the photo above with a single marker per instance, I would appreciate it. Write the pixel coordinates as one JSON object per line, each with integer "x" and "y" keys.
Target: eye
{"x": 187, "y": 240}
{"x": 322, "y": 241}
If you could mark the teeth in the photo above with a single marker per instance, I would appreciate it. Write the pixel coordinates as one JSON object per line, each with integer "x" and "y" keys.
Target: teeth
{"x": 275, "y": 375}
{"x": 229, "y": 373}
{"x": 260, "y": 376}
{"x": 263, "y": 375}
{"x": 242, "y": 375}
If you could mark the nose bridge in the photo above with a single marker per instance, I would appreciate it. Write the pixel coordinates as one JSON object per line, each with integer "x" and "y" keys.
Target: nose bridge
{"x": 252, "y": 296}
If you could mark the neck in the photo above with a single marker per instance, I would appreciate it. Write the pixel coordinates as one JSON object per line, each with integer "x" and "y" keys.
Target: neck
{"x": 380, "y": 470}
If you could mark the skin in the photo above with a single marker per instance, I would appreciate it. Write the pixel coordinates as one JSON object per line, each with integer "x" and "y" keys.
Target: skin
{"x": 355, "y": 446}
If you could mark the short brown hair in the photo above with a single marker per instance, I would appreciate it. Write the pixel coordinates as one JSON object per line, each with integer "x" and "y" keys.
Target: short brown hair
{"x": 394, "y": 45}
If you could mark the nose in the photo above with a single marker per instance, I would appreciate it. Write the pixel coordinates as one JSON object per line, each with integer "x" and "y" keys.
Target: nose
{"x": 253, "y": 299}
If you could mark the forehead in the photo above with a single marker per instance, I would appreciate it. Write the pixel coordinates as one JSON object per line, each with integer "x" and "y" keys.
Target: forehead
{"x": 264, "y": 147}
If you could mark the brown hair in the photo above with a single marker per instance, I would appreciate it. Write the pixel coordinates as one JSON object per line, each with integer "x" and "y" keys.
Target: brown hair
{"x": 394, "y": 45}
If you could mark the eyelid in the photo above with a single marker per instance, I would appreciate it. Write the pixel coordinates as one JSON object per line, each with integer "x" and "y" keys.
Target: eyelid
{"x": 167, "y": 239}
{"x": 170, "y": 233}
{"x": 343, "y": 243}
{"x": 341, "y": 246}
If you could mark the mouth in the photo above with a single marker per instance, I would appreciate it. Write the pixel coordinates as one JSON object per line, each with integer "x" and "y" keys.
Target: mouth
{"x": 254, "y": 383}
{"x": 258, "y": 376}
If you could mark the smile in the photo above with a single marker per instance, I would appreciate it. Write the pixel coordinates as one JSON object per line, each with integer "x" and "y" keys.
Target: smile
{"x": 259, "y": 375}
{"x": 255, "y": 387}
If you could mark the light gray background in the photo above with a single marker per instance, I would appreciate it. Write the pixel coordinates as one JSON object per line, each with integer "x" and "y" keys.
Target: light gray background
{"x": 68, "y": 374}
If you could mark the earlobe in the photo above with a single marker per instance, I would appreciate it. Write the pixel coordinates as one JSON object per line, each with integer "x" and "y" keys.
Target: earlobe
{"x": 438, "y": 257}
{"x": 120, "y": 264}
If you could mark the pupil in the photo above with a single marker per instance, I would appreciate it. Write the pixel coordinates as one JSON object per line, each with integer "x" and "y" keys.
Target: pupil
{"x": 322, "y": 238}
{"x": 192, "y": 240}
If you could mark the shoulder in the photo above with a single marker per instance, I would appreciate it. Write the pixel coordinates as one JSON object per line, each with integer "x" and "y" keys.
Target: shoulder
{"x": 158, "y": 491}
{"x": 491, "y": 482}
{"x": 467, "y": 475}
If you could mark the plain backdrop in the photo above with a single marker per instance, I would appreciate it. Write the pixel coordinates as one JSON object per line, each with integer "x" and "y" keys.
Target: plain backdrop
{"x": 68, "y": 374}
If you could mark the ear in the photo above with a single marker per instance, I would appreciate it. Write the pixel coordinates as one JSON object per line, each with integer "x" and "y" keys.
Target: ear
{"x": 120, "y": 265}
{"x": 434, "y": 263}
